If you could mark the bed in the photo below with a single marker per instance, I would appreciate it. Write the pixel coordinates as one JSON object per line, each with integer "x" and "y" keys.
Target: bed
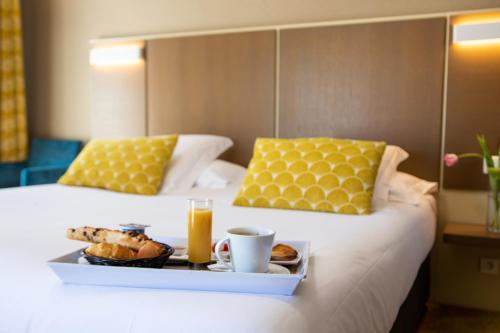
{"x": 366, "y": 274}
{"x": 362, "y": 267}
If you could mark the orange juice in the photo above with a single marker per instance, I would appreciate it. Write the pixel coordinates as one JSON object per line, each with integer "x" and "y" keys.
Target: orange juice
{"x": 200, "y": 235}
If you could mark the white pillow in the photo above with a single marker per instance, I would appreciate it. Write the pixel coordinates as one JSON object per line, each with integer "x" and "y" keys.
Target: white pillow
{"x": 192, "y": 155}
{"x": 220, "y": 174}
{"x": 409, "y": 189}
{"x": 392, "y": 158}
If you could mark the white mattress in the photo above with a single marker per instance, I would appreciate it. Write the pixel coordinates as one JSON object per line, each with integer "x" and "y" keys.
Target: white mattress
{"x": 361, "y": 270}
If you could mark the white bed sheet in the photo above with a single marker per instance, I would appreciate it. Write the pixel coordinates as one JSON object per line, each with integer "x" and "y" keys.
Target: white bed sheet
{"x": 361, "y": 269}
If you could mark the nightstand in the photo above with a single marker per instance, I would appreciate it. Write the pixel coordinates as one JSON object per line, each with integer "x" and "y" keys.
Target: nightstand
{"x": 470, "y": 234}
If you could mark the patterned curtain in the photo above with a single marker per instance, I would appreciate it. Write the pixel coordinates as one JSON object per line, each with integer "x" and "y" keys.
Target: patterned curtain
{"x": 13, "y": 129}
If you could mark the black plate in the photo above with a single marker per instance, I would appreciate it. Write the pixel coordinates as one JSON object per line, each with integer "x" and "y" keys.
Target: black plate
{"x": 155, "y": 262}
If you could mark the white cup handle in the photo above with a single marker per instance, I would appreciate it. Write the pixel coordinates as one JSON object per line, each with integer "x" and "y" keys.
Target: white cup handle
{"x": 218, "y": 249}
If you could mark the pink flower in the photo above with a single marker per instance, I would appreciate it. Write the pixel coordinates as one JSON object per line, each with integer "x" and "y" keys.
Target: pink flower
{"x": 450, "y": 159}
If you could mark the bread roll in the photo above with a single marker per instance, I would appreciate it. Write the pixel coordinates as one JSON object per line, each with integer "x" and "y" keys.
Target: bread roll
{"x": 111, "y": 251}
{"x": 150, "y": 249}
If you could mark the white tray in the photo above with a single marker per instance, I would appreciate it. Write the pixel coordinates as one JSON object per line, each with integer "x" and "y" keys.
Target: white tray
{"x": 70, "y": 271}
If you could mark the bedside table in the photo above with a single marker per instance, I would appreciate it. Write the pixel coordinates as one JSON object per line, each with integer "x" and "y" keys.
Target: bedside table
{"x": 470, "y": 234}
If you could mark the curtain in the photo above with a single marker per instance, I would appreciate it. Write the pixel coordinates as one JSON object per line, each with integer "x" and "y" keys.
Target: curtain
{"x": 13, "y": 128}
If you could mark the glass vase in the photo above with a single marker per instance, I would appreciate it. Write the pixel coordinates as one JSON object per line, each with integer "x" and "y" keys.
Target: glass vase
{"x": 493, "y": 222}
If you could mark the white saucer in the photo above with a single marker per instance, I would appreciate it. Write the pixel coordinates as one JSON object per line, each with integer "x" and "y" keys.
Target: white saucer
{"x": 273, "y": 269}
{"x": 278, "y": 269}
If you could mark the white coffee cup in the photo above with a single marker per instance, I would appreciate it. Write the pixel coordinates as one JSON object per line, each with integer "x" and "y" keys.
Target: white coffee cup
{"x": 250, "y": 249}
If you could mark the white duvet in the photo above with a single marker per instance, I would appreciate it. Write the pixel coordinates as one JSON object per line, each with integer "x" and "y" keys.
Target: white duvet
{"x": 361, "y": 269}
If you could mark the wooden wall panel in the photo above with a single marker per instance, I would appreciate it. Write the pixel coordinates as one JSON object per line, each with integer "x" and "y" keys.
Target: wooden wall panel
{"x": 377, "y": 81}
{"x": 473, "y": 106}
{"x": 216, "y": 84}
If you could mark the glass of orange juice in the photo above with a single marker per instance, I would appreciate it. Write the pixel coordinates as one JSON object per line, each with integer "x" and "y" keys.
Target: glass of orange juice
{"x": 200, "y": 231}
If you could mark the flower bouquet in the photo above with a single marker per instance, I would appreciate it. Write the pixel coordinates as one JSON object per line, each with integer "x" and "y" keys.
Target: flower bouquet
{"x": 493, "y": 223}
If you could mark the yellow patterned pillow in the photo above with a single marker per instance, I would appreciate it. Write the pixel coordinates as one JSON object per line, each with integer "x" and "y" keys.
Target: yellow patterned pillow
{"x": 319, "y": 174}
{"x": 134, "y": 165}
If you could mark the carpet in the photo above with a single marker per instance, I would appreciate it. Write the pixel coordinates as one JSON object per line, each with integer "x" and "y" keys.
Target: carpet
{"x": 452, "y": 319}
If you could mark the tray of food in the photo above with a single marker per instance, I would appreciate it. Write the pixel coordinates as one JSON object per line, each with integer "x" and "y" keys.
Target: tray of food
{"x": 129, "y": 259}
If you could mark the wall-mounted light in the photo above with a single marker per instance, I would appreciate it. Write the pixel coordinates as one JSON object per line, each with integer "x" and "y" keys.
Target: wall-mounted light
{"x": 479, "y": 33}
{"x": 126, "y": 54}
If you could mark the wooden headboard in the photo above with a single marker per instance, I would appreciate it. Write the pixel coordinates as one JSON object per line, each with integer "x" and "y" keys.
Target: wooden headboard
{"x": 380, "y": 81}
{"x": 217, "y": 84}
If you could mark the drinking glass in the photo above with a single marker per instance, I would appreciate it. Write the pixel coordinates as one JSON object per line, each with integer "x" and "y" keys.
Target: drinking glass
{"x": 199, "y": 231}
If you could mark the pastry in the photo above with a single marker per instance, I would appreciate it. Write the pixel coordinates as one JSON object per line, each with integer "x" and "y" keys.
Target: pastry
{"x": 115, "y": 251}
{"x": 150, "y": 249}
{"x": 111, "y": 251}
{"x": 283, "y": 252}
{"x": 140, "y": 244}
{"x": 129, "y": 239}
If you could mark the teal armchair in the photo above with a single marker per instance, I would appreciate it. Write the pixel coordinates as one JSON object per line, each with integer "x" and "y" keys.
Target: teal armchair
{"x": 48, "y": 160}
{"x": 9, "y": 174}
